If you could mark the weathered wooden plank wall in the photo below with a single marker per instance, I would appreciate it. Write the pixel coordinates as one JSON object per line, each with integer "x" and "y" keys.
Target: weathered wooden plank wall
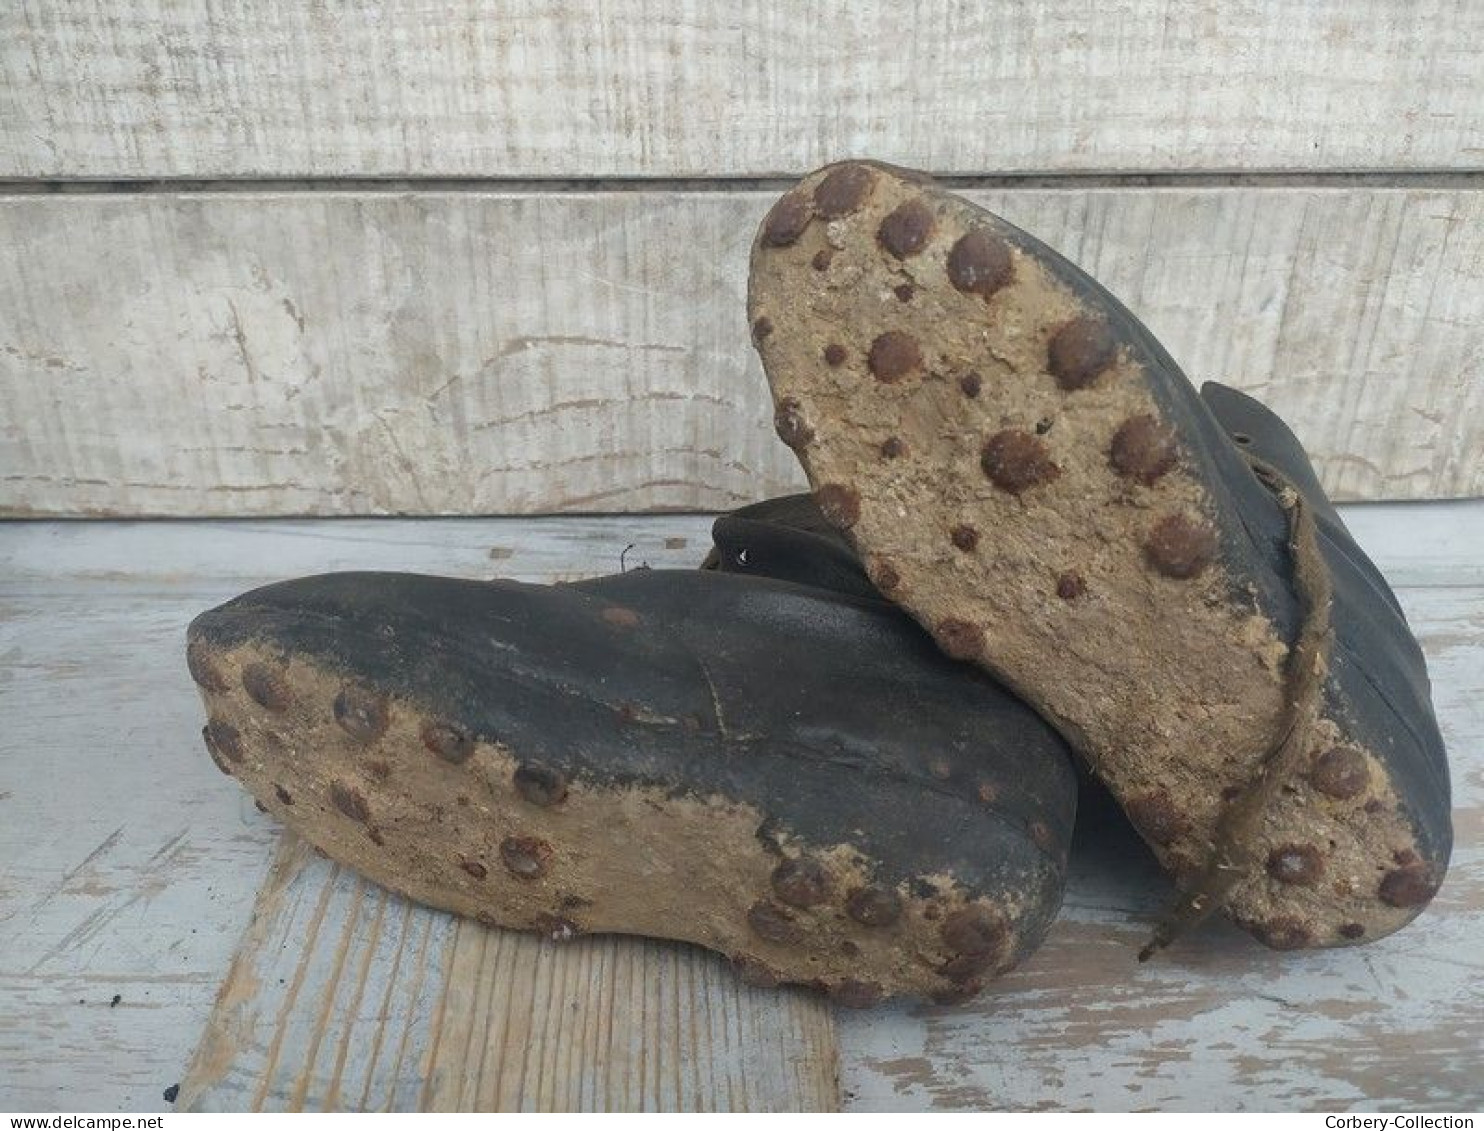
{"x": 213, "y": 88}
{"x": 523, "y": 352}
{"x": 579, "y": 345}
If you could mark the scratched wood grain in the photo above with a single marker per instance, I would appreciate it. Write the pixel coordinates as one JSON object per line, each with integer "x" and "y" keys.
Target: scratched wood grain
{"x": 131, "y": 865}
{"x": 125, "y": 867}
{"x": 199, "y": 88}
{"x": 346, "y": 997}
{"x": 477, "y": 352}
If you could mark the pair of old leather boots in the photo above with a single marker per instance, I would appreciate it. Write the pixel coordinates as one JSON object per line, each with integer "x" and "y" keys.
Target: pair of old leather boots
{"x": 842, "y": 753}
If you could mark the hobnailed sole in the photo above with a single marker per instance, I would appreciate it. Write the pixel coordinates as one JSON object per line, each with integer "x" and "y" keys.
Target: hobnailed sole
{"x": 984, "y": 425}
{"x": 423, "y": 805}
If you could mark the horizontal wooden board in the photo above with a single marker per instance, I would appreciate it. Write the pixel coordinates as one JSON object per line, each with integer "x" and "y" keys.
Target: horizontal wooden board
{"x": 471, "y": 352}
{"x": 645, "y": 88}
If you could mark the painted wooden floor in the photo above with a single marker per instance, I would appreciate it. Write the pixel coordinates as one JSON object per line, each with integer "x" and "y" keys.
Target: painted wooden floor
{"x": 130, "y": 870}
{"x": 346, "y": 997}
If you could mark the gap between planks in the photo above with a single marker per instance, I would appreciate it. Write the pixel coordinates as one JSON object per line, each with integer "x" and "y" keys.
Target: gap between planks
{"x": 1435, "y": 179}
